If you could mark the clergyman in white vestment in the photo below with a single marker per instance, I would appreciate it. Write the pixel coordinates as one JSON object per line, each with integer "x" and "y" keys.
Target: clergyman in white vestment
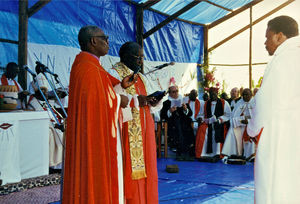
{"x": 277, "y": 110}
{"x": 234, "y": 143}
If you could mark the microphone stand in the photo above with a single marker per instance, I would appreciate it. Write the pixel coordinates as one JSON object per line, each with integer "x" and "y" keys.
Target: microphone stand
{"x": 61, "y": 85}
{"x": 58, "y": 99}
{"x": 45, "y": 99}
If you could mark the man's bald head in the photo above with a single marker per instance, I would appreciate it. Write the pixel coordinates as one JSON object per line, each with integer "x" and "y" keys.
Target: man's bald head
{"x": 93, "y": 40}
{"x": 234, "y": 93}
{"x": 85, "y": 34}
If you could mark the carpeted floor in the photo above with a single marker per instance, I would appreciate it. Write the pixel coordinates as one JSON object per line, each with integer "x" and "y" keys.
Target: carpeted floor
{"x": 38, "y": 195}
{"x": 196, "y": 182}
{"x": 43, "y": 189}
{"x": 41, "y": 181}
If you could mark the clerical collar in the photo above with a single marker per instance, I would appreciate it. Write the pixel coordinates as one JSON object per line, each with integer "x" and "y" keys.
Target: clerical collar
{"x": 92, "y": 55}
{"x": 179, "y": 98}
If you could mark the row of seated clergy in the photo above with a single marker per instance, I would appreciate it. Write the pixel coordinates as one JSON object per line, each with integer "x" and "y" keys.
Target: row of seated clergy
{"x": 37, "y": 103}
{"x": 237, "y": 142}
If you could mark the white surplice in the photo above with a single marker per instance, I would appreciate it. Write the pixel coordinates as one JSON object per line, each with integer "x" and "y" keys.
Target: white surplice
{"x": 234, "y": 144}
{"x": 277, "y": 110}
{"x": 216, "y": 147}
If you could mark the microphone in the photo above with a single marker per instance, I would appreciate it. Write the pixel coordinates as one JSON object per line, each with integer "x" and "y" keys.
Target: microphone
{"x": 159, "y": 67}
{"x": 164, "y": 65}
{"x": 29, "y": 70}
{"x": 44, "y": 68}
{"x": 137, "y": 69}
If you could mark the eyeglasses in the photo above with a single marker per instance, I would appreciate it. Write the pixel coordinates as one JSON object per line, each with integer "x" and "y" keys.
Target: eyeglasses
{"x": 104, "y": 37}
{"x": 174, "y": 91}
{"x": 138, "y": 57}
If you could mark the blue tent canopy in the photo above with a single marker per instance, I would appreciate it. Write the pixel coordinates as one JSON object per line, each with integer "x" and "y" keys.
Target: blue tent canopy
{"x": 204, "y": 12}
{"x": 59, "y": 21}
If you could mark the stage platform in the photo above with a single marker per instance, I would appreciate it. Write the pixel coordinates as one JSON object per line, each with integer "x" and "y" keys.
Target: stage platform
{"x": 202, "y": 182}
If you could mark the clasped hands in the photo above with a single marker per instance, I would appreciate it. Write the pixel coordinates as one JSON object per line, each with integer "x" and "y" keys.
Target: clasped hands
{"x": 174, "y": 108}
{"x": 245, "y": 119}
{"x": 211, "y": 120}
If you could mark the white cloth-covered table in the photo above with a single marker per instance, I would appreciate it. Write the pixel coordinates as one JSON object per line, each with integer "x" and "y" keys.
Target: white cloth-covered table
{"x": 24, "y": 145}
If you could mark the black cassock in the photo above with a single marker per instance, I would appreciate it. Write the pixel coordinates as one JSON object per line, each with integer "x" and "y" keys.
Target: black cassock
{"x": 180, "y": 131}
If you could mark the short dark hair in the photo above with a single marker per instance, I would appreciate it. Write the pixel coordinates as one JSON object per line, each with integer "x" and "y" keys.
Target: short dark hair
{"x": 247, "y": 89}
{"x": 285, "y": 24}
{"x": 85, "y": 34}
{"x": 11, "y": 65}
{"x": 128, "y": 48}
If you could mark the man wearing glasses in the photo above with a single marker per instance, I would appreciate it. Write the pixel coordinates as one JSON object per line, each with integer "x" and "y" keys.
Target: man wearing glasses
{"x": 140, "y": 170}
{"x": 91, "y": 166}
{"x": 180, "y": 133}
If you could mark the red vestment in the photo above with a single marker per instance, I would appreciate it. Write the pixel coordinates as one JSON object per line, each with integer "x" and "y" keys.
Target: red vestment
{"x": 90, "y": 174}
{"x": 144, "y": 190}
{"x": 4, "y": 81}
{"x": 197, "y": 107}
{"x": 202, "y": 132}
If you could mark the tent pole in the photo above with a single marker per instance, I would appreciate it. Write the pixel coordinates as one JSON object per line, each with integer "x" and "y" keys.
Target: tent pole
{"x": 22, "y": 46}
{"x": 250, "y": 50}
{"x": 140, "y": 28}
{"x": 205, "y": 42}
{"x": 200, "y": 71}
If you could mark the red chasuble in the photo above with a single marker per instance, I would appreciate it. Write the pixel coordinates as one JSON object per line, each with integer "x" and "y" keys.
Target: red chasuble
{"x": 139, "y": 148}
{"x": 91, "y": 173}
{"x": 143, "y": 190}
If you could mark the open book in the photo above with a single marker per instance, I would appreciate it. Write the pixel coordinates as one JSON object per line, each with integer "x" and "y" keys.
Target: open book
{"x": 176, "y": 103}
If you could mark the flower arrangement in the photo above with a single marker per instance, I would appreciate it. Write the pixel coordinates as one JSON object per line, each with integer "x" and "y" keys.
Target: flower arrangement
{"x": 209, "y": 78}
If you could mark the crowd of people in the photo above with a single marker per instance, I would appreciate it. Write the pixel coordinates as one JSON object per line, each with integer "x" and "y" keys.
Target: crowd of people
{"x": 110, "y": 147}
{"x": 212, "y": 129}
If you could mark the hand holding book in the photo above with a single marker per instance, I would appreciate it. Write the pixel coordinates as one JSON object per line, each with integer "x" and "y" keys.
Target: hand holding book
{"x": 155, "y": 97}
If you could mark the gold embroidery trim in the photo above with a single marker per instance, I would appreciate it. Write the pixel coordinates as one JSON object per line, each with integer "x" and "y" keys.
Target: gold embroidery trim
{"x": 134, "y": 131}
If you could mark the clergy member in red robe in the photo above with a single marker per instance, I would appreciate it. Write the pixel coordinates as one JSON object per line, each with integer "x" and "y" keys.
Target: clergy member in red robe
{"x": 140, "y": 166}
{"x": 211, "y": 134}
{"x": 8, "y": 78}
{"x": 90, "y": 174}
{"x": 197, "y": 107}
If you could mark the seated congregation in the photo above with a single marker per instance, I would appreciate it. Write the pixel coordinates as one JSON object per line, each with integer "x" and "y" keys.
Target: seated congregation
{"x": 208, "y": 130}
